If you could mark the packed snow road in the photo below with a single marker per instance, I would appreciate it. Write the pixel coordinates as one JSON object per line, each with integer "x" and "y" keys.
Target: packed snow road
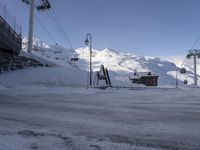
{"x": 80, "y": 119}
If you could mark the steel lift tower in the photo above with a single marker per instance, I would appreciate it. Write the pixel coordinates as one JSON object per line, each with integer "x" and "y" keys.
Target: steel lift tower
{"x": 196, "y": 54}
{"x": 44, "y": 6}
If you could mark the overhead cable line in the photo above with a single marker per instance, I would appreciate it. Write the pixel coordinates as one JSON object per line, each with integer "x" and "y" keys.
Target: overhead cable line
{"x": 56, "y": 26}
{"x": 45, "y": 28}
{"x": 45, "y": 6}
{"x": 54, "y": 23}
{"x": 196, "y": 44}
{"x": 61, "y": 27}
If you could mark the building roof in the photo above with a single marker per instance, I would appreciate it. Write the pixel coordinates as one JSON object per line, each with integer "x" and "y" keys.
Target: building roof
{"x": 138, "y": 75}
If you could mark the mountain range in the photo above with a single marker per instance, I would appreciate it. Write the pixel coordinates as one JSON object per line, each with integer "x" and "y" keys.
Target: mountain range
{"x": 120, "y": 65}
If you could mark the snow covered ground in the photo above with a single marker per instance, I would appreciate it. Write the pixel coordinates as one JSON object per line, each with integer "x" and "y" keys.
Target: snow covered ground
{"x": 50, "y": 108}
{"x": 44, "y": 76}
{"x": 65, "y": 118}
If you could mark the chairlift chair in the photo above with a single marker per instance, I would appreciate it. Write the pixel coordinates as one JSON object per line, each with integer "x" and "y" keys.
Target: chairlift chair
{"x": 74, "y": 59}
{"x": 182, "y": 70}
{"x": 188, "y": 56}
{"x": 45, "y": 5}
{"x": 185, "y": 82}
{"x": 26, "y": 2}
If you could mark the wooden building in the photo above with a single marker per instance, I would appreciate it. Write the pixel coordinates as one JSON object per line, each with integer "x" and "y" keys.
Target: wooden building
{"x": 146, "y": 78}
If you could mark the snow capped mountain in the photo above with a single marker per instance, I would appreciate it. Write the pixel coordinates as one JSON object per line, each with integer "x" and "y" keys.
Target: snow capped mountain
{"x": 36, "y": 42}
{"x": 124, "y": 64}
{"x": 120, "y": 65}
{"x": 111, "y": 59}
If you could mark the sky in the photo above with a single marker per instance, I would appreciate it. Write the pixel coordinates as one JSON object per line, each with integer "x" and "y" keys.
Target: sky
{"x": 141, "y": 27}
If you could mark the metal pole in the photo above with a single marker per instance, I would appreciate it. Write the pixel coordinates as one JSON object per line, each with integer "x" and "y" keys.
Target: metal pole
{"x": 195, "y": 53}
{"x": 14, "y": 23}
{"x": 20, "y": 30}
{"x": 195, "y": 68}
{"x": 88, "y": 79}
{"x": 176, "y": 80}
{"x": 30, "y": 36}
{"x": 90, "y": 60}
{"x": 90, "y": 47}
{"x": 5, "y": 12}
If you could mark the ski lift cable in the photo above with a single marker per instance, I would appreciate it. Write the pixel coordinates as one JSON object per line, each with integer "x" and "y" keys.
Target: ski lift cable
{"x": 57, "y": 28}
{"x": 196, "y": 43}
{"x": 45, "y": 28}
{"x": 54, "y": 23}
{"x": 58, "y": 21}
{"x": 40, "y": 22}
{"x": 186, "y": 63}
{"x": 61, "y": 31}
{"x": 59, "y": 25}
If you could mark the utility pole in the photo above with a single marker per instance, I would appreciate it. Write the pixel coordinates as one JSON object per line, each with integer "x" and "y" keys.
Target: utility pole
{"x": 30, "y": 33}
{"x": 5, "y": 16}
{"x": 31, "y": 15}
{"x": 195, "y": 69}
{"x": 44, "y": 6}
{"x": 196, "y": 54}
{"x": 89, "y": 41}
{"x": 176, "y": 78}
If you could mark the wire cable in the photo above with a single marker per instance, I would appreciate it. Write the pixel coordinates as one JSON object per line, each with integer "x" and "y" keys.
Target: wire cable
{"x": 45, "y": 28}
{"x": 61, "y": 27}
{"x": 57, "y": 23}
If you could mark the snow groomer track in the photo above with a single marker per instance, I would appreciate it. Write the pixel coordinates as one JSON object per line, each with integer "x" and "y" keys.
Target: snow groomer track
{"x": 77, "y": 118}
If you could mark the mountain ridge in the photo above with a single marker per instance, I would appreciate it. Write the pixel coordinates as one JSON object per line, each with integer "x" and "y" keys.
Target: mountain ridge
{"x": 121, "y": 65}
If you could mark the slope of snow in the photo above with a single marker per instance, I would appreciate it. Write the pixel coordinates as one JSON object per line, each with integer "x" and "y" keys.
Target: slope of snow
{"x": 53, "y": 53}
{"x": 120, "y": 65}
{"x": 45, "y": 76}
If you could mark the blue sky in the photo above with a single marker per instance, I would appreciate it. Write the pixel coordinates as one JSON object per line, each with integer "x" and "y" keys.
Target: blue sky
{"x": 142, "y": 27}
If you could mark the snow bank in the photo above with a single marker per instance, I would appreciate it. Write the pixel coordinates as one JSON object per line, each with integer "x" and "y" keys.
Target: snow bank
{"x": 55, "y": 76}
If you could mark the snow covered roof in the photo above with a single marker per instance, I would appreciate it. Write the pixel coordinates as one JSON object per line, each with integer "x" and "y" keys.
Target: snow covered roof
{"x": 138, "y": 75}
